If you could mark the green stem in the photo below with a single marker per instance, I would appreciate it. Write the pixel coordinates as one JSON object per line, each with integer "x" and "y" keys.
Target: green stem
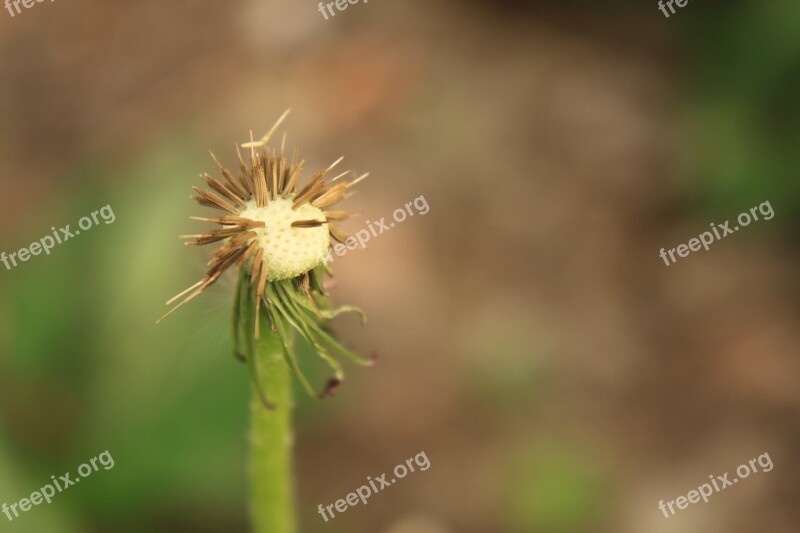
{"x": 271, "y": 438}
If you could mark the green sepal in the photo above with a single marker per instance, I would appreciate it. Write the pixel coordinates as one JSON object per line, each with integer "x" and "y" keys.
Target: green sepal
{"x": 288, "y": 350}
{"x": 302, "y": 324}
{"x": 246, "y": 326}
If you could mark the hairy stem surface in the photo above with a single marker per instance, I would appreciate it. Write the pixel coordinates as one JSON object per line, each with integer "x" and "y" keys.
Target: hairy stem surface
{"x": 271, "y": 437}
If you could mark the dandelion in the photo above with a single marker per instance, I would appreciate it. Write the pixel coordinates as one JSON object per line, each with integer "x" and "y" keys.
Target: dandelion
{"x": 276, "y": 233}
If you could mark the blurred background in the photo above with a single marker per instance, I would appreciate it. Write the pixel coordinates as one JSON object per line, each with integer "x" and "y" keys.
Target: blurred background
{"x": 559, "y": 377}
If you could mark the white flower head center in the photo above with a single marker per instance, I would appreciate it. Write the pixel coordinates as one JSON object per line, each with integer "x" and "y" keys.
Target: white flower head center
{"x": 288, "y": 251}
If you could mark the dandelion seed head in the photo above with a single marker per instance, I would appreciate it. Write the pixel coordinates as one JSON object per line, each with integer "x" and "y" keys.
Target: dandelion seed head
{"x": 275, "y": 232}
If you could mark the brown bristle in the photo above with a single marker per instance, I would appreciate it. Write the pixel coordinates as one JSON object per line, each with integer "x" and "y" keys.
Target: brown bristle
{"x": 204, "y": 284}
{"x": 281, "y": 170}
{"x": 250, "y": 250}
{"x": 294, "y": 177}
{"x": 236, "y": 241}
{"x": 223, "y": 190}
{"x": 337, "y": 233}
{"x": 307, "y": 223}
{"x": 235, "y": 183}
{"x": 336, "y": 215}
{"x": 213, "y": 236}
{"x": 221, "y": 262}
{"x": 211, "y": 199}
{"x": 257, "y": 264}
{"x": 308, "y": 192}
{"x": 332, "y": 196}
{"x": 246, "y": 175}
{"x": 233, "y": 221}
{"x": 304, "y": 284}
{"x": 310, "y": 184}
{"x": 262, "y": 282}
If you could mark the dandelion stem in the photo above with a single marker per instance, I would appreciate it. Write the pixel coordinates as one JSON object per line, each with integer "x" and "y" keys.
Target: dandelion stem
{"x": 271, "y": 438}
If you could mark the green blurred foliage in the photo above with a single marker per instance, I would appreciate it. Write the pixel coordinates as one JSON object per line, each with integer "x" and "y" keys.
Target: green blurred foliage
{"x": 556, "y": 487}
{"x": 167, "y": 404}
{"x": 743, "y": 61}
